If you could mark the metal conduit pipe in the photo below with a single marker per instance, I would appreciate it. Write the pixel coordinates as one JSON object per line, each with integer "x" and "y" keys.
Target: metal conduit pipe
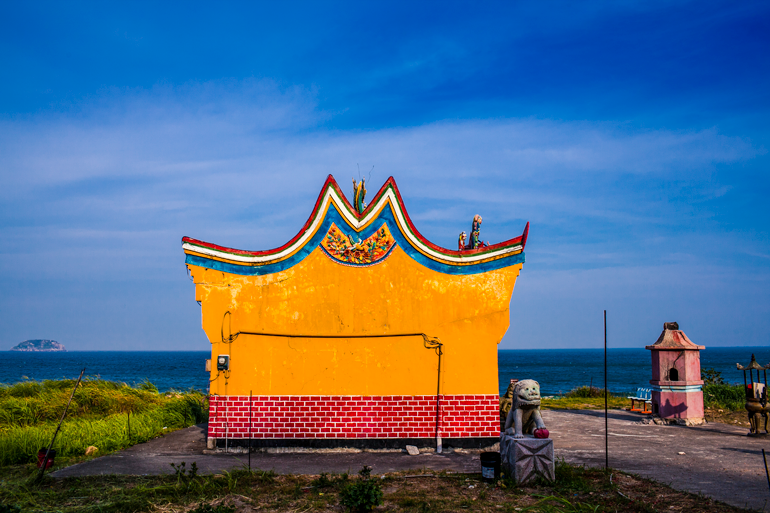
{"x": 428, "y": 342}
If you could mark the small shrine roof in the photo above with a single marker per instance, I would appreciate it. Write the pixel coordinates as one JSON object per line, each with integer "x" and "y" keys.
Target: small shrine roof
{"x": 753, "y": 365}
{"x": 673, "y": 338}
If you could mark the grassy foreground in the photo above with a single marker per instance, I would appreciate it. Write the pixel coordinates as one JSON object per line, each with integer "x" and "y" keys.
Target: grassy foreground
{"x": 577, "y": 489}
{"x": 99, "y": 416}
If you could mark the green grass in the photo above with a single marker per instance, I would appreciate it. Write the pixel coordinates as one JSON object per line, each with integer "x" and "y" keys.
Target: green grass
{"x": 98, "y": 416}
{"x": 584, "y": 398}
{"x": 728, "y": 397}
{"x": 30, "y": 402}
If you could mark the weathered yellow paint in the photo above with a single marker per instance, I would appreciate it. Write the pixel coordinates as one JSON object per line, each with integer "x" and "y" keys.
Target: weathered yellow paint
{"x": 469, "y": 313}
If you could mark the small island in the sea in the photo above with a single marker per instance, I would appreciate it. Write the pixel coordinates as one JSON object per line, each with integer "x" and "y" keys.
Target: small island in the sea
{"x": 39, "y": 346}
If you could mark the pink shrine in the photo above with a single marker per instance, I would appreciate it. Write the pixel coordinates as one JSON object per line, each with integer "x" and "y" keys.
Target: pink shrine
{"x": 677, "y": 394}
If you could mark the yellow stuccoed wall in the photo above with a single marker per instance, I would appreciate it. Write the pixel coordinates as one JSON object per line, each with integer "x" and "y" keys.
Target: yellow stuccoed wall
{"x": 469, "y": 313}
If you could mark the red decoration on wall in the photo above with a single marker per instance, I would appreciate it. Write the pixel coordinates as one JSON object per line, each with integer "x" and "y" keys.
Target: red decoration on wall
{"x": 354, "y": 416}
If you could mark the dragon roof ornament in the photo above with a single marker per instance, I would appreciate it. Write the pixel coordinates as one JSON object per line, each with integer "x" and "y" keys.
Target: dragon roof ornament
{"x": 333, "y": 215}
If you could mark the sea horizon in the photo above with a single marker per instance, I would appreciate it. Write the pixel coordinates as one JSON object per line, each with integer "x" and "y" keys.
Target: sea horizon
{"x": 557, "y": 370}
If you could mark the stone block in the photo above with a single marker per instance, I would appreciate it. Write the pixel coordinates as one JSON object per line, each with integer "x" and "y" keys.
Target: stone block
{"x": 526, "y": 458}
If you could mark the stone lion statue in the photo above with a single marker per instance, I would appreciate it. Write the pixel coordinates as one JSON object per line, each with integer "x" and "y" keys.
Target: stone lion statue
{"x": 505, "y": 403}
{"x": 524, "y": 417}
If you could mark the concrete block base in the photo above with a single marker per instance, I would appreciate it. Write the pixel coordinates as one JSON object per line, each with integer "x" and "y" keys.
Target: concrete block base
{"x": 526, "y": 458}
{"x": 678, "y": 422}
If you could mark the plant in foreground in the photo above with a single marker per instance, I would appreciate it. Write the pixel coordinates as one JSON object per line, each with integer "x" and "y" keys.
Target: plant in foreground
{"x": 208, "y": 508}
{"x": 362, "y": 495}
{"x": 325, "y": 481}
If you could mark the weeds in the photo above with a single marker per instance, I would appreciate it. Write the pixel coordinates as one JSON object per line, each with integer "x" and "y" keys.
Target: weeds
{"x": 553, "y": 503}
{"x": 208, "y": 508}
{"x": 577, "y": 490}
{"x": 183, "y": 477}
{"x": 325, "y": 481}
{"x": 29, "y": 412}
{"x": 571, "y": 478}
{"x": 362, "y": 495}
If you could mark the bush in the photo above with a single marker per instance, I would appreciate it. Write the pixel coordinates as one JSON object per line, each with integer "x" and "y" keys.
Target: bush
{"x": 585, "y": 392}
{"x": 362, "y": 495}
{"x": 728, "y": 397}
{"x": 711, "y": 377}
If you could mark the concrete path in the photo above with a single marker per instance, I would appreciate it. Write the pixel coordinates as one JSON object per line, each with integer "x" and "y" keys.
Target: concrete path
{"x": 719, "y": 460}
{"x": 155, "y": 457}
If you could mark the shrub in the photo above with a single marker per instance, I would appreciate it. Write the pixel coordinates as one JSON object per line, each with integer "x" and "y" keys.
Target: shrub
{"x": 712, "y": 377}
{"x": 728, "y": 397}
{"x": 362, "y": 495}
{"x": 585, "y": 392}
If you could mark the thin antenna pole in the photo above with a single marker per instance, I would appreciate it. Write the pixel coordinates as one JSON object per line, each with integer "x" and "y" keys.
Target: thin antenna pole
{"x": 249, "y": 431}
{"x": 64, "y": 414}
{"x": 606, "y": 421}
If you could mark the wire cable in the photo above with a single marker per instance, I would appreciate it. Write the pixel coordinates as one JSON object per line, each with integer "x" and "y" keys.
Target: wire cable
{"x": 428, "y": 342}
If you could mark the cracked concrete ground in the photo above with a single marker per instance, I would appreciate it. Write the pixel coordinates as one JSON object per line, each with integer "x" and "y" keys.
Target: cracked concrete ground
{"x": 718, "y": 461}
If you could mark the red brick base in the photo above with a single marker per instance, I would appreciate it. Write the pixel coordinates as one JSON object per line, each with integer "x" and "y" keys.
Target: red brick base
{"x": 342, "y": 417}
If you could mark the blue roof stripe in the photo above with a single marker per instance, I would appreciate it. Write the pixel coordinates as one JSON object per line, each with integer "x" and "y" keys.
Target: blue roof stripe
{"x": 332, "y": 216}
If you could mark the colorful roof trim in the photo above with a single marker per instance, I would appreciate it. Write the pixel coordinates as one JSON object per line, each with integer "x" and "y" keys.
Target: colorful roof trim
{"x": 332, "y": 209}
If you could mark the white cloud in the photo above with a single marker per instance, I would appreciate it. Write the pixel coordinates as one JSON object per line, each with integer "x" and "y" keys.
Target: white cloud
{"x": 241, "y": 163}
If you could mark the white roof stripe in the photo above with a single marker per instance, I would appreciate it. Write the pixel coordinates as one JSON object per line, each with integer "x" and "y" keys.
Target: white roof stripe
{"x": 331, "y": 197}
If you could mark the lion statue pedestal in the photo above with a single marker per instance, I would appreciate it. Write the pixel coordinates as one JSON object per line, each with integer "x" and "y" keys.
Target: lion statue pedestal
{"x": 527, "y": 458}
{"x": 525, "y": 449}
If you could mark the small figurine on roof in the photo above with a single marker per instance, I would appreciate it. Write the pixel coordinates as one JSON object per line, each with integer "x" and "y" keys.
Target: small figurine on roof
{"x": 461, "y": 241}
{"x": 359, "y": 193}
{"x": 476, "y": 234}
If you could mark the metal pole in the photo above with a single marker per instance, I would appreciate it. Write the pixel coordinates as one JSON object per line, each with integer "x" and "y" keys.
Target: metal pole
{"x": 766, "y": 472}
{"x": 606, "y": 421}
{"x": 249, "y": 431}
{"x": 439, "y": 445}
{"x": 47, "y": 452}
{"x": 129, "y": 427}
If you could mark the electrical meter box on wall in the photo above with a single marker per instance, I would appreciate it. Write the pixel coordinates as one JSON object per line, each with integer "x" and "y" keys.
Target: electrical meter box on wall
{"x": 223, "y": 362}
{"x": 357, "y": 332}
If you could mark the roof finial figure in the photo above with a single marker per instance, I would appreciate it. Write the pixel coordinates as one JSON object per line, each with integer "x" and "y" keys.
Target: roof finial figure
{"x": 461, "y": 241}
{"x": 476, "y": 241}
{"x": 359, "y": 193}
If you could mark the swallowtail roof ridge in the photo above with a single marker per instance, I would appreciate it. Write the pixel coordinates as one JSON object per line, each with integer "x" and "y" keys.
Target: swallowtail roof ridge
{"x": 387, "y": 207}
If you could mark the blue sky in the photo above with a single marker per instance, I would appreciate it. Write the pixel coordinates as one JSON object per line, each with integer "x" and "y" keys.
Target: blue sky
{"x": 632, "y": 136}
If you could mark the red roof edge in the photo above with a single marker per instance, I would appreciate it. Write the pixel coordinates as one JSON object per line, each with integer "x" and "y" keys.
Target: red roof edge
{"x": 331, "y": 182}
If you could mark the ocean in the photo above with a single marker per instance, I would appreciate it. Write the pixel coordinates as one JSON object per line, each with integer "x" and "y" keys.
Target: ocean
{"x": 557, "y": 370}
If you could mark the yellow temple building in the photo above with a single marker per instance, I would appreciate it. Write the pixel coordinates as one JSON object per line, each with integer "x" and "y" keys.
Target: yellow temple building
{"x": 357, "y": 332}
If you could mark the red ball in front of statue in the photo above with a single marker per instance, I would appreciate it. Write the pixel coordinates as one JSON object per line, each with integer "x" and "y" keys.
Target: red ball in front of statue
{"x": 541, "y": 433}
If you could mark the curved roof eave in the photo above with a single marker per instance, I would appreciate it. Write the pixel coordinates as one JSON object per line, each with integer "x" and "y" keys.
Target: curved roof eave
{"x": 332, "y": 205}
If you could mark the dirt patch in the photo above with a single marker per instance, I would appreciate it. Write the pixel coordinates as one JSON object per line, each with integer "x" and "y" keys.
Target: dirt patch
{"x": 577, "y": 489}
{"x": 735, "y": 418}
